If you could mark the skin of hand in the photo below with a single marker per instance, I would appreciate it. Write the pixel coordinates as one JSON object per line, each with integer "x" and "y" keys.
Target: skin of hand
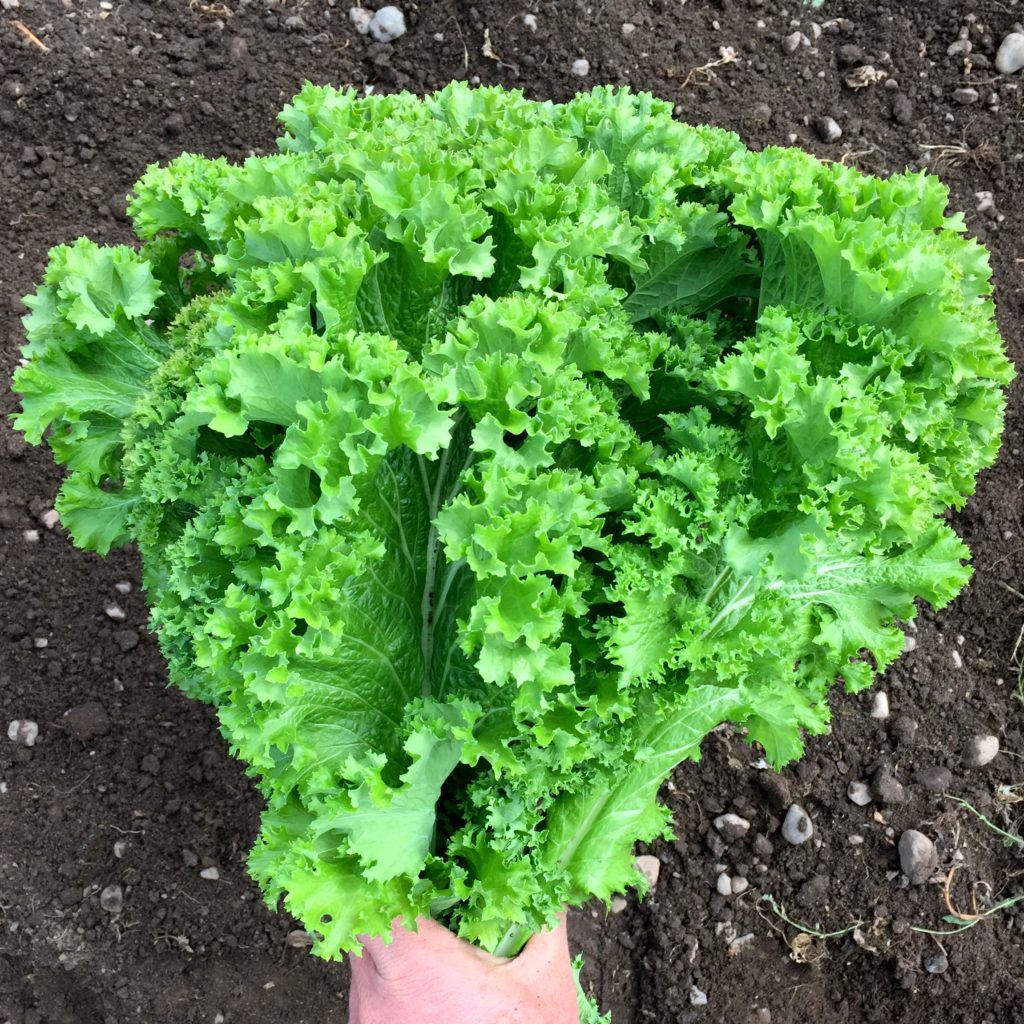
{"x": 434, "y": 977}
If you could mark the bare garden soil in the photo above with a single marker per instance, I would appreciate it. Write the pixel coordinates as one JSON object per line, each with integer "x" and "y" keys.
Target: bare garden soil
{"x": 122, "y": 84}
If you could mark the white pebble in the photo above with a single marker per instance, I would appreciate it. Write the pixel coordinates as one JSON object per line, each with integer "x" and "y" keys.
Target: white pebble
{"x": 797, "y": 827}
{"x": 31, "y": 536}
{"x": 387, "y": 24}
{"x": 732, "y": 826}
{"x": 112, "y": 899}
{"x": 697, "y": 997}
{"x": 210, "y": 873}
{"x": 918, "y": 856}
{"x": 1010, "y": 58}
{"x": 859, "y": 793}
{"x": 724, "y": 884}
{"x": 958, "y": 662}
{"x": 124, "y": 587}
{"x": 360, "y": 18}
{"x": 50, "y": 518}
{"x": 909, "y": 644}
{"x": 115, "y": 612}
{"x": 649, "y": 867}
{"x": 619, "y": 904}
{"x": 828, "y": 129}
{"x": 880, "y": 705}
{"x": 739, "y": 885}
{"x": 23, "y": 732}
{"x": 628, "y": 28}
{"x": 855, "y": 840}
{"x": 40, "y": 642}
{"x": 120, "y": 847}
{"x": 980, "y": 751}
{"x": 581, "y": 67}
{"x": 530, "y": 22}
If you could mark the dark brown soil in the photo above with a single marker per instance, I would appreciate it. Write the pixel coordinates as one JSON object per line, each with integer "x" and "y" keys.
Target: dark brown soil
{"x": 121, "y": 87}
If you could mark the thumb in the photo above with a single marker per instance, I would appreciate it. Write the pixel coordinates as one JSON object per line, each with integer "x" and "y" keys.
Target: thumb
{"x": 546, "y": 947}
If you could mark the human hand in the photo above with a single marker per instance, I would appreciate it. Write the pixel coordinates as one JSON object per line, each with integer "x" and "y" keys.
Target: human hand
{"x": 434, "y": 977}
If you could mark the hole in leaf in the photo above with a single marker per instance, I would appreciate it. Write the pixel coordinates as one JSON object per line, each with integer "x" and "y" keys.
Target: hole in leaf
{"x": 326, "y": 918}
{"x": 316, "y": 320}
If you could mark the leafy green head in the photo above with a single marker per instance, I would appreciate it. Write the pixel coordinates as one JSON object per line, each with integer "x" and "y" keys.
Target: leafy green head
{"x": 484, "y": 454}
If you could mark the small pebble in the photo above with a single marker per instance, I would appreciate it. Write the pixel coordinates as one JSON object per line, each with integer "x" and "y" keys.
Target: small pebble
{"x": 580, "y": 67}
{"x": 903, "y": 113}
{"x": 697, "y": 997}
{"x": 50, "y": 518}
{"x": 1010, "y": 58}
{"x": 115, "y": 612}
{"x": 739, "y": 885}
{"x": 797, "y": 827}
{"x": 387, "y": 24}
{"x": 112, "y": 899}
{"x": 791, "y": 43}
{"x": 212, "y": 874}
{"x": 938, "y": 779}
{"x": 530, "y": 22}
{"x": 828, "y": 129}
{"x": 724, "y": 884}
{"x": 965, "y": 97}
{"x": 859, "y": 793}
{"x": 880, "y": 705}
{"x": 87, "y": 721}
{"x": 856, "y": 840}
{"x": 238, "y": 49}
{"x": 619, "y": 904}
{"x": 980, "y": 751}
{"x": 958, "y": 661}
{"x": 31, "y": 536}
{"x": 886, "y": 788}
{"x": 23, "y": 732}
{"x": 360, "y": 18}
{"x": 731, "y": 826}
{"x": 938, "y": 963}
{"x": 120, "y": 847}
{"x": 959, "y": 48}
{"x": 628, "y": 28}
{"x": 299, "y": 939}
{"x": 124, "y": 587}
{"x": 649, "y": 867}
{"x": 903, "y": 730}
{"x": 918, "y": 856}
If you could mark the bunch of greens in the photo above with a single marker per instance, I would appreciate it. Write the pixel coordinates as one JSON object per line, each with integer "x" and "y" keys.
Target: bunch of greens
{"x": 485, "y": 454}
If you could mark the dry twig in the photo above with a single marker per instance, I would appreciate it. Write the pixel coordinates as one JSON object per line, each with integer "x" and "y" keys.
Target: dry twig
{"x": 30, "y": 35}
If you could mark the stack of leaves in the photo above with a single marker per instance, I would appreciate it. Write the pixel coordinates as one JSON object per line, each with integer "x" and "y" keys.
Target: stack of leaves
{"x": 485, "y": 454}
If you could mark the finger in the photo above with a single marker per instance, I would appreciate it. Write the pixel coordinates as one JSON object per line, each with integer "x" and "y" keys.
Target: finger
{"x": 546, "y": 946}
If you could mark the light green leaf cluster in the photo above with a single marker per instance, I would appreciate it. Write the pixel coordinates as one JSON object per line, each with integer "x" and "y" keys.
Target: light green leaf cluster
{"x": 485, "y": 454}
